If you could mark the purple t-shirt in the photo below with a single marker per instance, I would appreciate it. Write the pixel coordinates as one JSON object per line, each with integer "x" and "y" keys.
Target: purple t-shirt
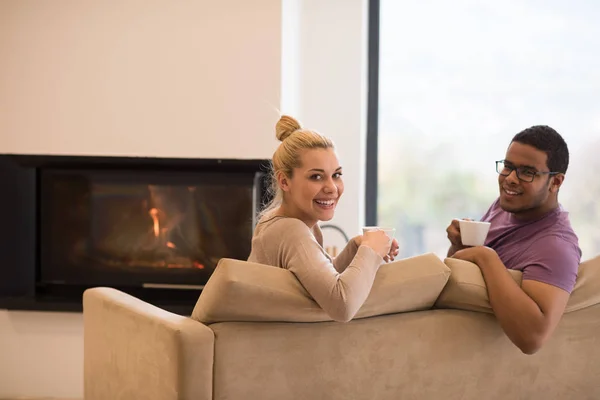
{"x": 545, "y": 250}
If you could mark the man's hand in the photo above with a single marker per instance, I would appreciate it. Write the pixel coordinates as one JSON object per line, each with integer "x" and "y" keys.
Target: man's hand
{"x": 478, "y": 255}
{"x": 453, "y": 232}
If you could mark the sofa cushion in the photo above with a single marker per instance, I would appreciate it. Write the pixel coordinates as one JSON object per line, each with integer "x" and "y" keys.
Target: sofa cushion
{"x": 409, "y": 284}
{"x": 586, "y": 292}
{"x": 466, "y": 289}
{"x": 245, "y": 291}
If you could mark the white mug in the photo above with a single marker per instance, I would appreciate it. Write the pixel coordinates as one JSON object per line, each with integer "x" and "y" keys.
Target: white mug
{"x": 473, "y": 233}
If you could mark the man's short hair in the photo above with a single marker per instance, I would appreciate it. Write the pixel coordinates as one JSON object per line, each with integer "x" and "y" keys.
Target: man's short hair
{"x": 546, "y": 139}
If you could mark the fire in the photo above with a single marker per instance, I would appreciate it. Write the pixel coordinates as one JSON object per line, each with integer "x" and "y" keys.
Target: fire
{"x": 162, "y": 236}
{"x": 198, "y": 265}
{"x": 154, "y": 215}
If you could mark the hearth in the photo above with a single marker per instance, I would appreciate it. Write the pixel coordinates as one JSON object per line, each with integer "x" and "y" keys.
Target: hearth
{"x": 152, "y": 227}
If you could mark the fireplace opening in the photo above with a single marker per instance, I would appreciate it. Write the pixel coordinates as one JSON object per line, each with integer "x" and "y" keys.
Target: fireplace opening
{"x": 155, "y": 228}
{"x": 131, "y": 228}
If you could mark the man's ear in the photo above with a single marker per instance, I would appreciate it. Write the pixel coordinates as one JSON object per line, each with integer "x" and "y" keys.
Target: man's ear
{"x": 283, "y": 182}
{"x": 556, "y": 181}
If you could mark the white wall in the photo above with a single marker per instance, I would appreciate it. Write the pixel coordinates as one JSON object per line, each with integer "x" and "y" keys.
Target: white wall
{"x": 41, "y": 354}
{"x": 182, "y": 79}
{"x": 324, "y": 78}
{"x": 333, "y": 97}
{"x": 140, "y": 77}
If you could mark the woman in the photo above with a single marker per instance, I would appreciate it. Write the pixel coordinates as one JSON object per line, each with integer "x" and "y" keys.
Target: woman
{"x": 307, "y": 181}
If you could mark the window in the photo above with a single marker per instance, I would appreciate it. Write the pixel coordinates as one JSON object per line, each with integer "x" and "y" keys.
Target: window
{"x": 456, "y": 81}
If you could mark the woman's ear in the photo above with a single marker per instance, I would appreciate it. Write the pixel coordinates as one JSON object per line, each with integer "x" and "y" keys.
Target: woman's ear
{"x": 556, "y": 182}
{"x": 283, "y": 181}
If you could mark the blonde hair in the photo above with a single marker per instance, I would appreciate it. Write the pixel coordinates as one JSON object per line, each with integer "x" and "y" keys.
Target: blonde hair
{"x": 294, "y": 141}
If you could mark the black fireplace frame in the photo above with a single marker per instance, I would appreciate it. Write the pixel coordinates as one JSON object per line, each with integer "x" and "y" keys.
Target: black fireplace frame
{"x": 20, "y": 211}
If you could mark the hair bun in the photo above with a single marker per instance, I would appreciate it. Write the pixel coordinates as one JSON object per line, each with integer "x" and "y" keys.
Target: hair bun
{"x": 286, "y": 126}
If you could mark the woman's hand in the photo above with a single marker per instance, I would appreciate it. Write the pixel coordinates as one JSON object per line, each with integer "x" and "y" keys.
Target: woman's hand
{"x": 394, "y": 250}
{"x": 378, "y": 241}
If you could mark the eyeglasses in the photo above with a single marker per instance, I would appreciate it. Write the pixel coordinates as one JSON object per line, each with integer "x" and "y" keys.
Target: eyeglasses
{"x": 525, "y": 174}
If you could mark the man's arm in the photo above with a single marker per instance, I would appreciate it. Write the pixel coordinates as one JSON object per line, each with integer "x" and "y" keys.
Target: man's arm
{"x": 527, "y": 314}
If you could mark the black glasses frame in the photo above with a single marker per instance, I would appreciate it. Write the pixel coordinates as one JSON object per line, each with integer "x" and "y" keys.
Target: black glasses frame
{"x": 518, "y": 171}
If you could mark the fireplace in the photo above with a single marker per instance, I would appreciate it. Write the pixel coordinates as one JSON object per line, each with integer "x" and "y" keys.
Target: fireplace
{"x": 155, "y": 228}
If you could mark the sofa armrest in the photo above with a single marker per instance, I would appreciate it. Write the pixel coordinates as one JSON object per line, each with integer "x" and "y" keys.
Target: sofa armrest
{"x": 134, "y": 350}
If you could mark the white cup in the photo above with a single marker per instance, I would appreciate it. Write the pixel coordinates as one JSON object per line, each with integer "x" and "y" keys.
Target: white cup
{"x": 390, "y": 232}
{"x": 473, "y": 233}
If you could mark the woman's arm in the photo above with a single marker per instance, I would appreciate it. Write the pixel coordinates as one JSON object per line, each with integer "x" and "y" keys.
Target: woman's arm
{"x": 340, "y": 294}
{"x": 342, "y": 260}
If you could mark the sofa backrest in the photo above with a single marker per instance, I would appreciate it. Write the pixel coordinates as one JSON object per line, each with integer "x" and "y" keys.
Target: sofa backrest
{"x": 244, "y": 291}
{"x": 424, "y": 355}
{"x": 466, "y": 289}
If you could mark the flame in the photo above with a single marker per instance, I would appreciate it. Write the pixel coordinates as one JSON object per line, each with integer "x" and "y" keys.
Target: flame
{"x": 154, "y": 215}
{"x": 161, "y": 235}
{"x": 198, "y": 265}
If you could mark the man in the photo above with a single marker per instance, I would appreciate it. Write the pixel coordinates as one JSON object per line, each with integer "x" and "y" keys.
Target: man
{"x": 529, "y": 232}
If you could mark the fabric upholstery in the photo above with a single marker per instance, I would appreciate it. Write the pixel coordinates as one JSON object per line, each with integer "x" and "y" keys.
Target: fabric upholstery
{"x": 410, "y": 284}
{"x": 587, "y": 287}
{"x": 466, "y": 289}
{"x": 425, "y": 355}
{"x": 244, "y": 291}
{"x": 133, "y": 350}
{"x": 136, "y": 351}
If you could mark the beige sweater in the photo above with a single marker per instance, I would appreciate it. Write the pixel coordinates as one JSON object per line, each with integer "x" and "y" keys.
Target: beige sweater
{"x": 340, "y": 286}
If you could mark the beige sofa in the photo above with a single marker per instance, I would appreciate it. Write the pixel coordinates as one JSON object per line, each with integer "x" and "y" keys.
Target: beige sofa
{"x": 425, "y": 332}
